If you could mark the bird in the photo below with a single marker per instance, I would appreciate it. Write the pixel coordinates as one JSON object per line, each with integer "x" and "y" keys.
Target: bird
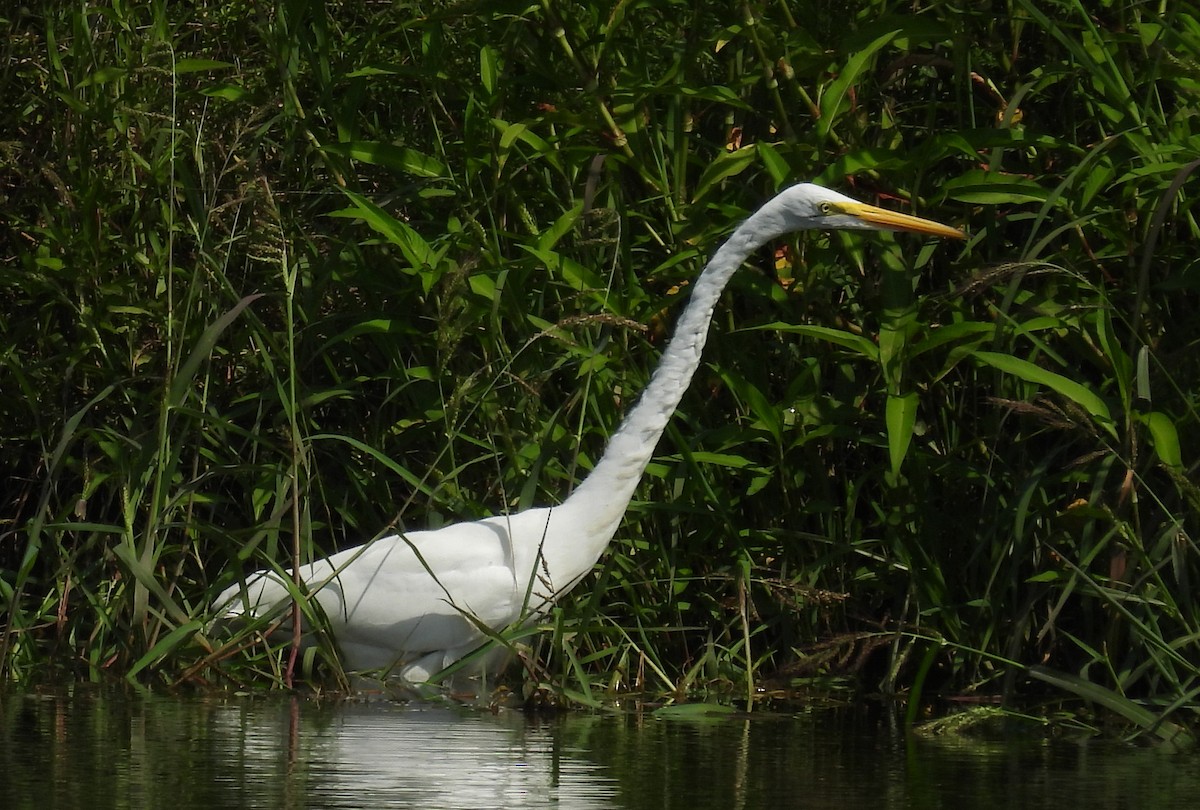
{"x": 411, "y": 604}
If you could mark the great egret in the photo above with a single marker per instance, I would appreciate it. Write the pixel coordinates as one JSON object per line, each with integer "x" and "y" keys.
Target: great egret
{"x": 412, "y": 604}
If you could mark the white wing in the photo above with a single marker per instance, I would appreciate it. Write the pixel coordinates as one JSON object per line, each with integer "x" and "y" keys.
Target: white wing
{"x": 401, "y": 598}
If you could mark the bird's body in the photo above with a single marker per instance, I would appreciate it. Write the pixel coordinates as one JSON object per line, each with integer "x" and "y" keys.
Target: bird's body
{"x": 411, "y": 604}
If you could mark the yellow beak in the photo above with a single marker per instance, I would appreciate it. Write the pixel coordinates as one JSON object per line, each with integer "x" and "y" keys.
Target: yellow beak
{"x": 895, "y": 221}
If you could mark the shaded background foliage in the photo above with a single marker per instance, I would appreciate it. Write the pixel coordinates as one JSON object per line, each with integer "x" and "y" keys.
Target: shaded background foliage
{"x": 469, "y": 226}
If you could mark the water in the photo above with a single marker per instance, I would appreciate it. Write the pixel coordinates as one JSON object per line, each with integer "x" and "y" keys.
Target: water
{"x": 86, "y": 750}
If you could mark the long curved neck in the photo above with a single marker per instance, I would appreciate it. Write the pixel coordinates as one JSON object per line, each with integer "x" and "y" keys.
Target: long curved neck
{"x": 601, "y": 500}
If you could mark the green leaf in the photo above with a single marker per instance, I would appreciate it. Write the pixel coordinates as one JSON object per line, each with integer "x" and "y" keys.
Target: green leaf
{"x": 774, "y": 163}
{"x": 415, "y": 249}
{"x": 848, "y": 340}
{"x": 730, "y": 460}
{"x": 729, "y": 164}
{"x": 575, "y": 274}
{"x": 489, "y": 68}
{"x": 102, "y": 76}
{"x": 950, "y": 333}
{"x": 482, "y": 285}
{"x": 229, "y": 92}
{"x": 413, "y": 480}
{"x": 1115, "y": 702}
{"x": 200, "y": 65}
{"x": 390, "y": 156}
{"x": 833, "y": 98}
{"x": 182, "y": 383}
{"x": 144, "y": 574}
{"x": 1142, "y": 373}
{"x": 694, "y": 711}
{"x": 371, "y": 326}
{"x": 164, "y": 646}
{"x": 561, "y": 227}
{"x": 1079, "y": 394}
{"x": 511, "y": 133}
{"x": 901, "y": 416}
{"x": 1164, "y": 437}
{"x": 993, "y": 188}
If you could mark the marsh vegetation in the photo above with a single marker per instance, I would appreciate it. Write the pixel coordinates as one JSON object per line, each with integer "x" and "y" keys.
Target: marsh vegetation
{"x": 279, "y": 277}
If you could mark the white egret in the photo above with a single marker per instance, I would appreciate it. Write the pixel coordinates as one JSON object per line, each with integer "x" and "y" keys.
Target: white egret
{"x": 412, "y": 604}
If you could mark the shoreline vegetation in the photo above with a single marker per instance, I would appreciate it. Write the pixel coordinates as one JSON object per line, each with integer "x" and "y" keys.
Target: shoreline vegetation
{"x": 279, "y": 278}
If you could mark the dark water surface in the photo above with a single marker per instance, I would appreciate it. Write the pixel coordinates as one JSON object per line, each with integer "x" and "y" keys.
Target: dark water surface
{"x": 87, "y": 750}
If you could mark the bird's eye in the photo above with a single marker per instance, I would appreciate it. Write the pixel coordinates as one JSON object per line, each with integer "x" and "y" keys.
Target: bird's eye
{"x": 824, "y": 208}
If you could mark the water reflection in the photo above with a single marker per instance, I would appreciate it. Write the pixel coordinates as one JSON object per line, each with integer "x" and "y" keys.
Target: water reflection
{"x": 96, "y": 751}
{"x": 356, "y": 755}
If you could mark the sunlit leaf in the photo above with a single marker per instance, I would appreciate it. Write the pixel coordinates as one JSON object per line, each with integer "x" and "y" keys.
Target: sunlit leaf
{"x": 694, "y": 711}
{"x": 728, "y": 164}
{"x": 848, "y": 340}
{"x": 201, "y": 65}
{"x": 229, "y": 92}
{"x": 993, "y": 188}
{"x": 835, "y": 96}
{"x": 773, "y": 162}
{"x": 415, "y": 249}
{"x": 1030, "y": 372}
{"x": 399, "y": 158}
{"x": 1117, "y": 703}
{"x": 1164, "y": 437}
{"x": 489, "y": 68}
{"x": 900, "y": 417}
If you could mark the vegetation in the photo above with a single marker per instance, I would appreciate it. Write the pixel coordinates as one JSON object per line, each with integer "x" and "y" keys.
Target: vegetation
{"x": 279, "y": 277}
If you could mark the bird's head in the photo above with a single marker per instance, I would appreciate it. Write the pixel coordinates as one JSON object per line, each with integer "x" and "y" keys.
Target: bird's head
{"x": 806, "y": 206}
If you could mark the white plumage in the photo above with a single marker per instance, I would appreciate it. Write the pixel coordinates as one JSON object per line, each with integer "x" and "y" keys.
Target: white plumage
{"x": 401, "y": 604}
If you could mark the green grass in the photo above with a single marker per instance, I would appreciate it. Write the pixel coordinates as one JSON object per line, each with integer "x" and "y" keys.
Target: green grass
{"x": 278, "y": 278}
